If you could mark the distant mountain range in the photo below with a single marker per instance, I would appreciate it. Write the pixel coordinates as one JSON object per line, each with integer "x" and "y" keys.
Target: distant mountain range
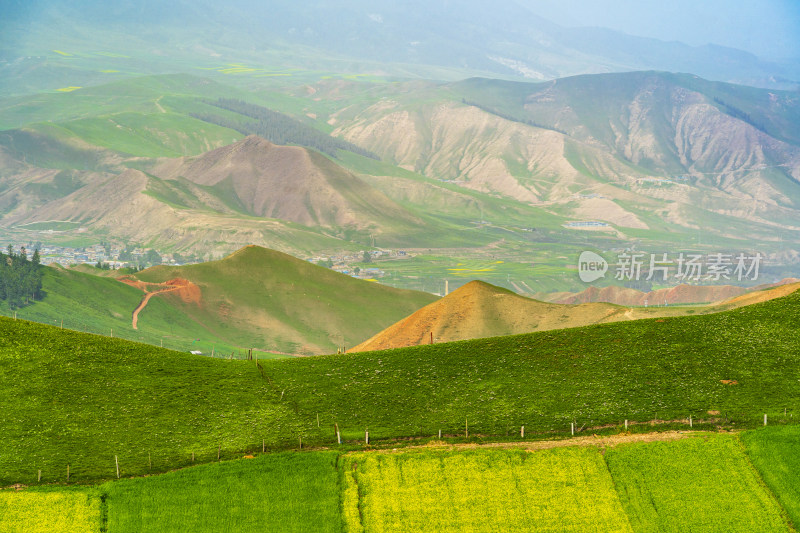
{"x": 637, "y": 150}
{"x": 433, "y": 39}
{"x": 673, "y": 159}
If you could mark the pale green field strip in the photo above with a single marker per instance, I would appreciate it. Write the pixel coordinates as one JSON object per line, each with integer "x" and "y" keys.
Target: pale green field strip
{"x": 283, "y": 492}
{"x": 696, "y": 484}
{"x": 775, "y": 452}
{"x": 70, "y": 511}
{"x": 558, "y": 490}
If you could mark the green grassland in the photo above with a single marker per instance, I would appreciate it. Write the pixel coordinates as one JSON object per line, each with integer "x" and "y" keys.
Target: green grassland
{"x": 149, "y": 407}
{"x": 285, "y": 305}
{"x": 284, "y": 492}
{"x": 698, "y": 484}
{"x": 271, "y": 300}
{"x": 81, "y": 399}
{"x": 102, "y": 305}
{"x": 668, "y": 368}
{"x": 567, "y": 489}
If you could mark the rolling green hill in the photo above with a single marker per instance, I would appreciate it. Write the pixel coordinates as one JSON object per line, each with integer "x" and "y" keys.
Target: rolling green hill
{"x": 262, "y": 298}
{"x": 82, "y": 399}
{"x": 256, "y": 298}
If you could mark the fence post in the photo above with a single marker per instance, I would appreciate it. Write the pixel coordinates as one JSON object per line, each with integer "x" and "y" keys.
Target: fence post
{"x": 440, "y": 434}
{"x": 38, "y": 479}
{"x": 366, "y": 436}
{"x": 765, "y": 419}
{"x": 67, "y": 473}
{"x": 522, "y": 432}
{"x": 572, "y": 428}
{"x": 626, "y": 424}
{"x": 338, "y": 435}
{"x": 690, "y": 421}
{"x": 466, "y": 427}
{"x": 116, "y": 460}
{"x": 219, "y": 451}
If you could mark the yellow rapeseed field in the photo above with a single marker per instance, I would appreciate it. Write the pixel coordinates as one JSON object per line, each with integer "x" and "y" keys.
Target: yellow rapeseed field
{"x": 71, "y": 511}
{"x": 562, "y": 490}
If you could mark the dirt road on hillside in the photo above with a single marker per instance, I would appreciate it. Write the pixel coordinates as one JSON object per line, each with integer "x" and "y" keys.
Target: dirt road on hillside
{"x": 189, "y": 292}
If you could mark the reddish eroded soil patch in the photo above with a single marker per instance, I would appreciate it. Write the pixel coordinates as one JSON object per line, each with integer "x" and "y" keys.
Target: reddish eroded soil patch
{"x": 729, "y": 381}
{"x": 187, "y": 291}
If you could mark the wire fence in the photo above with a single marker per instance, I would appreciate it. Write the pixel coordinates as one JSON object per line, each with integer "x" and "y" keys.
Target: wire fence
{"x": 133, "y": 463}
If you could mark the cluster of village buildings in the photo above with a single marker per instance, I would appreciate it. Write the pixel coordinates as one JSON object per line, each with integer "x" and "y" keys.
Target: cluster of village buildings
{"x": 116, "y": 257}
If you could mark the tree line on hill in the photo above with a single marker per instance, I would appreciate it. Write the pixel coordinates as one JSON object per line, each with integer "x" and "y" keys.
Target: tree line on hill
{"x": 20, "y": 277}
{"x": 277, "y": 128}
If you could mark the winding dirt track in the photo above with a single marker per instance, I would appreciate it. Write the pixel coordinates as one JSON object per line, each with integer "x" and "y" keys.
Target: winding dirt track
{"x": 189, "y": 292}
{"x": 143, "y": 303}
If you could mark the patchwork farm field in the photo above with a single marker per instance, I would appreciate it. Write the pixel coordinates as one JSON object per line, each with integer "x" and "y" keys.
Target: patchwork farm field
{"x": 703, "y": 482}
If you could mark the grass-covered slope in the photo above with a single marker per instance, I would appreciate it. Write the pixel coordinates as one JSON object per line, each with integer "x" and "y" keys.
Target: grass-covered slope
{"x": 263, "y": 298}
{"x": 256, "y": 298}
{"x": 90, "y": 303}
{"x": 739, "y": 363}
{"x": 79, "y": 400}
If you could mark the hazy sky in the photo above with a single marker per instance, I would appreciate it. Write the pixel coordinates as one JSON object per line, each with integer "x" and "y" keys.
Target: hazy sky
{"x": 768, "y": 28}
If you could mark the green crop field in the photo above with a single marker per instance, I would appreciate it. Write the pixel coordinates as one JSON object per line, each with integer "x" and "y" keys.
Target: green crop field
{"x": 566, "y": 489}
{"x": 698, "y": 484}
{"x": 46, "y": 511}
{"x": 283, "y": 492}
{"x": 702, "y": 482}
{"x": 775, "y": 452}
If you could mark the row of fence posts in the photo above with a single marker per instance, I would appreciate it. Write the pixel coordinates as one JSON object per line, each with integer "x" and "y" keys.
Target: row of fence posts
{"x": 690, "y": 422}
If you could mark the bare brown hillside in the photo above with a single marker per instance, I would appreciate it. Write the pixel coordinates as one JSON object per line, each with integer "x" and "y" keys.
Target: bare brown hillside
{"x": 288, "y": 183}
{"x": 479, "y": 310}
{"x": 250, "y": 192}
